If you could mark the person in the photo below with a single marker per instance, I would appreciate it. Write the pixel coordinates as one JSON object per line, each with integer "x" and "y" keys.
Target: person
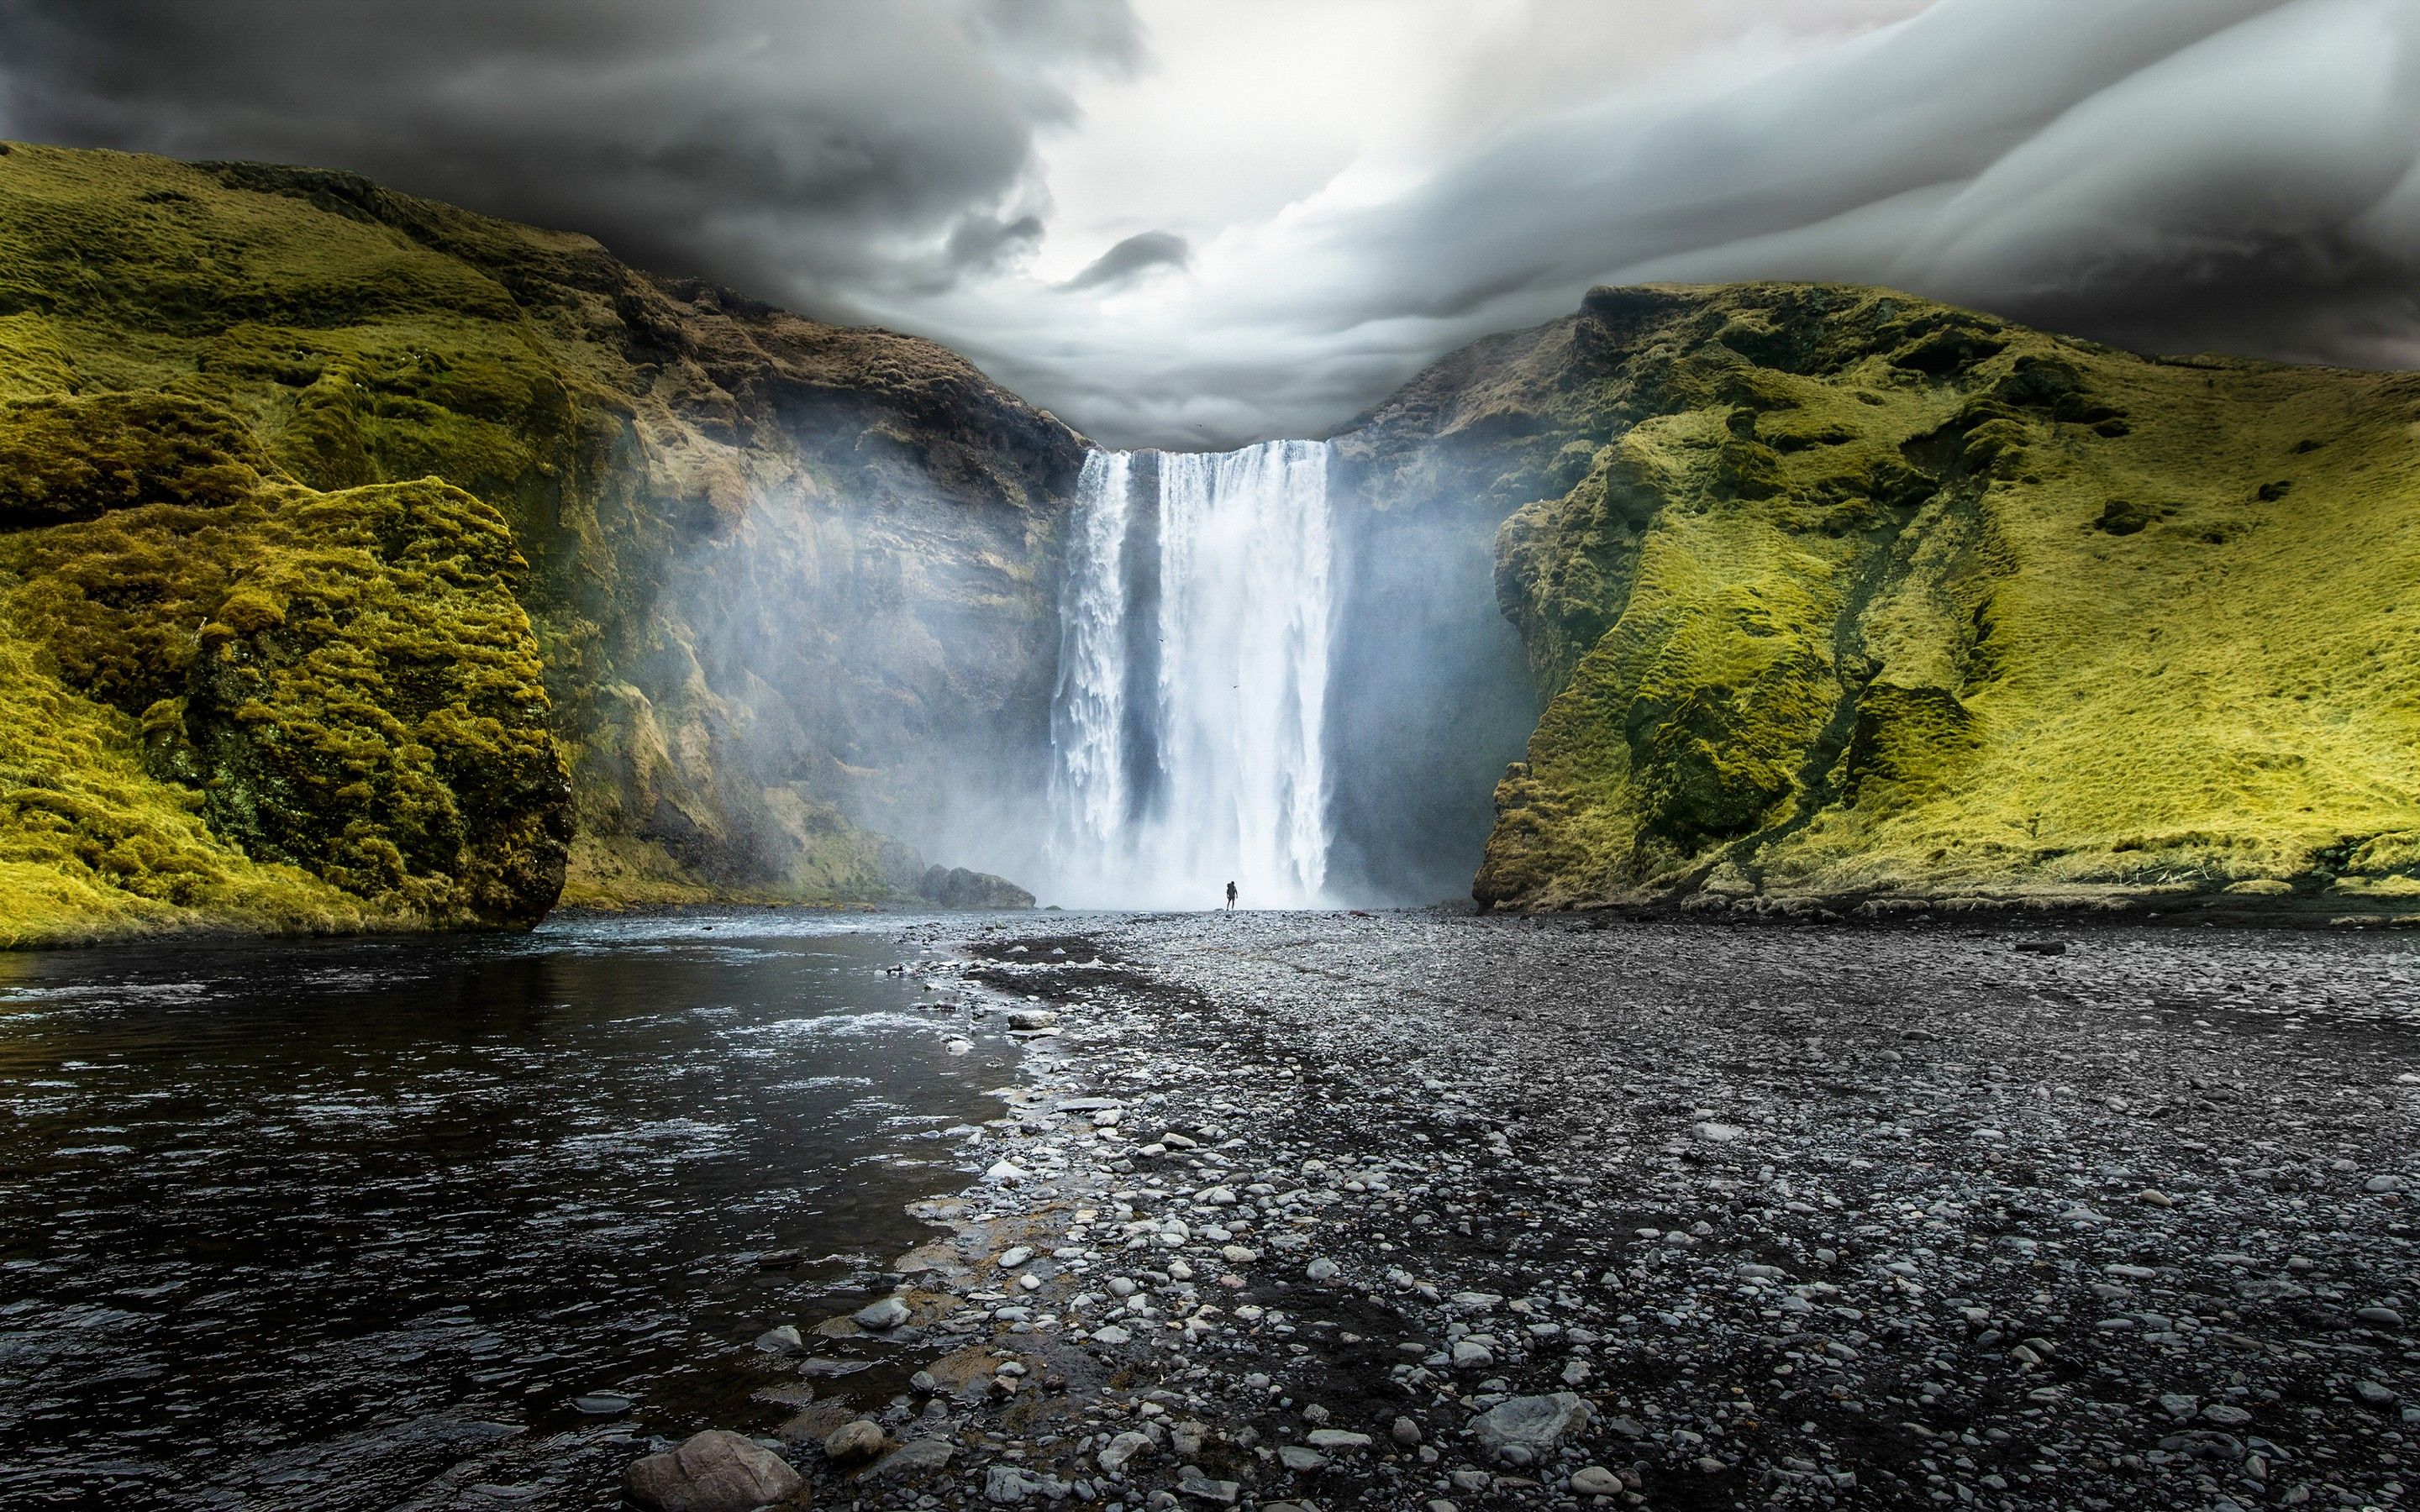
{"x": 1231, "y": 896}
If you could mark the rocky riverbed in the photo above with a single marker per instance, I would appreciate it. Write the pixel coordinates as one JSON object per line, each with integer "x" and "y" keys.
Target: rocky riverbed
{"x": 1417, "y": 1210}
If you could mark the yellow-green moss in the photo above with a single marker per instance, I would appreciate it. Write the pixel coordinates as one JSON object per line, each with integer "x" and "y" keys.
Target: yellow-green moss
{"x": 337, "y": 683}
{"x": 1867, "y": 595}
{"x": 266, "y": 343}
{"x": 91, "y": 845}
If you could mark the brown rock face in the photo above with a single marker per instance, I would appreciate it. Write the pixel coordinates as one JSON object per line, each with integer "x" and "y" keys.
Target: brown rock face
{"x": 716, "y": 1470}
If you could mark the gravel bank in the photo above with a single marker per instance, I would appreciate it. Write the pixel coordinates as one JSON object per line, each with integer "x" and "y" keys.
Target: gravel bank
{"x": 1411, "y": 1210}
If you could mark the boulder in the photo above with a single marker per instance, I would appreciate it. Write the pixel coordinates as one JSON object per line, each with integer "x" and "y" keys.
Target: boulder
{"x": 716, "y": 1470}
{"x": 954, "y": 886}
{"x": 917, "y": 1457}
{"x": 882, "y": 1316}
{"x": 1535, "y": 1425}
{"x": 853, "y": 1441}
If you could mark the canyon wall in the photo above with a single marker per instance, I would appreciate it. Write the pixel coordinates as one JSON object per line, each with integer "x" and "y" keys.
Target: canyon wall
{"x": 367, "y": 562}
{"x": 1840, "y": 597}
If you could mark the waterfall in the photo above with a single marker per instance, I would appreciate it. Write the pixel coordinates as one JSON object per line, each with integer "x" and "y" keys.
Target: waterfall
{"x": 1187, "y": 730}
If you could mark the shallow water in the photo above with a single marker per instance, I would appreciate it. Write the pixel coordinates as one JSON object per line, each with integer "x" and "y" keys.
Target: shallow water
{"x": 354, "y": 1224}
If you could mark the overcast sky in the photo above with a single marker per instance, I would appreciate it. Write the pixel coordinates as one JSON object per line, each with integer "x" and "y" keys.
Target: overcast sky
{"x": 1196, "y": 222}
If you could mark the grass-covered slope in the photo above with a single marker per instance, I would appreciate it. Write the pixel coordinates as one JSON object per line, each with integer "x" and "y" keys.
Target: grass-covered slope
{"x": 231, "y": 699}
{"x": 1836, "y": 594}
{"x": 313, "y": 496}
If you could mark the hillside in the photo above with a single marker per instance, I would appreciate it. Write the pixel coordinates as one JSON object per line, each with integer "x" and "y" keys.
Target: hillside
{"x": 1835, "y": 595}
{"x": 366, "y": 562}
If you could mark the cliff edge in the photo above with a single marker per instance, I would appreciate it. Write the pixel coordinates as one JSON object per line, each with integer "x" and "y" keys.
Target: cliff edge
{"x": 1834, "y": 596}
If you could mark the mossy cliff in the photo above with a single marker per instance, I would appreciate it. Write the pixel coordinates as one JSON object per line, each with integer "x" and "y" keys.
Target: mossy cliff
{"x": 357, "y": 553}
{"x": 1837, "y": 595}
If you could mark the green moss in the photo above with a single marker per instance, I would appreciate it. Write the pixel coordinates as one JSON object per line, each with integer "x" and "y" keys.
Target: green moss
{"x": 343, "y": 682}
{"x": 1865, "y": 595}
{"x": 93, "y": 845}
{"x": 222, "y": 389}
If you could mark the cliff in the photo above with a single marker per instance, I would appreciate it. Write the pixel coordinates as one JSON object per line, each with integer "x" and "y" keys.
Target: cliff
{"x": 367, "y": 562}
{"x": 1836, "y": 597}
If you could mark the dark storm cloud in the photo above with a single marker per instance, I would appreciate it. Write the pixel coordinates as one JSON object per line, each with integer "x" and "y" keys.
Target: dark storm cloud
{"x": 1131, "y": 259}
{"x": 2174, "y": 174}
{"x": 820, "y": 152}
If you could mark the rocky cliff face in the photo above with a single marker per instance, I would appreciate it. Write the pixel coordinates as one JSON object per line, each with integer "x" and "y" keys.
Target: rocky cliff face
{"x": 365, "y": 561}
{"x": 1835, "y": 594}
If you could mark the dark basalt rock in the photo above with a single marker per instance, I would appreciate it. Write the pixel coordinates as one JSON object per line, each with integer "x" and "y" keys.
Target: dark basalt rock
{"x": 954, "y": 886}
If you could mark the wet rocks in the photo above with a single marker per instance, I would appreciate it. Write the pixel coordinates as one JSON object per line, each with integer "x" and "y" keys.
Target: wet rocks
{"x": 914, "y": 1460}
{"x": 1527, "y": 1428}
{"x": 1596, "y": 1480}
{"x": 1007, "y": 1485}
{"x": 853, "y": 1442}
{"x": 1422, "y": 1210}
{"x": 883, "y": 1315}
{"x": 1121, "y": 1451}
{"x": 783, "y": 1340}
{"x": 716, "y": 1470}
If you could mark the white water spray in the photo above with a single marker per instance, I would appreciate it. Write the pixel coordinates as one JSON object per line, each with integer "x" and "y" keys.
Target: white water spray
{"x": 1193, "y": 681}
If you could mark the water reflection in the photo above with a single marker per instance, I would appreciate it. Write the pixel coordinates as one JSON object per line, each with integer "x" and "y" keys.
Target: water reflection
{"x": 328, "y": 1224}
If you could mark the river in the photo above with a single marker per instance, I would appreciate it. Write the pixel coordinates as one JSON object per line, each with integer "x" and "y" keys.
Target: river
{"x": 407, "y": 1222}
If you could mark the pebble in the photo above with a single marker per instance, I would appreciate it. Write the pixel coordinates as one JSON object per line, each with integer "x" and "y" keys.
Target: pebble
{"x": 1596, "y": 1480}
{"x": 1771, "y": 1198}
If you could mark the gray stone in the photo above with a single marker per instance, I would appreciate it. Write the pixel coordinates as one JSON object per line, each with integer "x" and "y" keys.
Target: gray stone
{"x": 1533, "y": 1423}
{"x": 917, "y": 1457}
{"x": 783, "y": 1340}
{"x": 824, "y": 1368}
{"x": 1121, "y": 1450}
{"x": 1405, "y": 1432}
{"x": 1299, "y": 1459}
{"x": 716, "y": 1470}
{"x": 2373, "y": 1395}
{"x": 1596, "y": 1480}
{"x": 1006, "y": 1485}
{"x": 853, "y": 1442}
{"x": 882, "y": 1316}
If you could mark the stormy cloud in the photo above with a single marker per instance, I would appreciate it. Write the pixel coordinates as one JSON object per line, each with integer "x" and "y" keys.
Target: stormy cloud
{"x": 2173, "y": 175}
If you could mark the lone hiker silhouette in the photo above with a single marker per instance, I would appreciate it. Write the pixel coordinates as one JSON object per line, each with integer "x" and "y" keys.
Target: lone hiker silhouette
{"x": 1231, "y": 896}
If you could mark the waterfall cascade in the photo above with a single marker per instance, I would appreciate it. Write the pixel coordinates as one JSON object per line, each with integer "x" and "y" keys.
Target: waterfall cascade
{"x": 1195, "y": 628}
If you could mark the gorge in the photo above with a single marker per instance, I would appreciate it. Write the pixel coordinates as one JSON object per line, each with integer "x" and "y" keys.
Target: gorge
{"x": 371, "y": 563}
